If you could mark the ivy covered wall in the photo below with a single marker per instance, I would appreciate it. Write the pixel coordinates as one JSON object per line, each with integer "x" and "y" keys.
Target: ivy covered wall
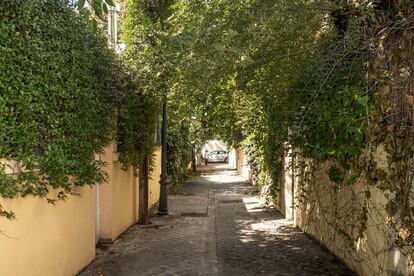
{"x": 61, "y": 87}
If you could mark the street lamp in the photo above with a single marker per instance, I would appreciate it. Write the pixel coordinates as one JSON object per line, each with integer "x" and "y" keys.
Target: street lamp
{"x": 163, "y": 204}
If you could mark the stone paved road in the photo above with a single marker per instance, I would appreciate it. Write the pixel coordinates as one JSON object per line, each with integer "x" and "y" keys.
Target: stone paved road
{"x": 216, "y": 227}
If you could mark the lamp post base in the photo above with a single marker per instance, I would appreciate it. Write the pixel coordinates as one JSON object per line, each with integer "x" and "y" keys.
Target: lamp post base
{"x": 163, "y": 203}
{"x": 162, "y": 213}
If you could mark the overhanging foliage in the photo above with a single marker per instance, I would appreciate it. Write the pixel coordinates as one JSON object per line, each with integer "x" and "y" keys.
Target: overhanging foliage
{"x": 62, "y": 88}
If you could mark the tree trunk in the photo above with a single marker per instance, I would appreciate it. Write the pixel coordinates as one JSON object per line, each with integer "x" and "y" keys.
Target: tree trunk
{"x": 143, "y": 192}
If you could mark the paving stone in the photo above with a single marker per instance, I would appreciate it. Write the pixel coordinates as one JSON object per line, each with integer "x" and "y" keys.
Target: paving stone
{"x": 238, "y": 236}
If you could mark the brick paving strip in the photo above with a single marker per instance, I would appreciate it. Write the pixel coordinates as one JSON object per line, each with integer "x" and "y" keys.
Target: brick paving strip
{"x": 216, "y": 227}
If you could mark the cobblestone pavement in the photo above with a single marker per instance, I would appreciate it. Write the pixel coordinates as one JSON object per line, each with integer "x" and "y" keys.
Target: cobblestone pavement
{"x": 216, "y": 227}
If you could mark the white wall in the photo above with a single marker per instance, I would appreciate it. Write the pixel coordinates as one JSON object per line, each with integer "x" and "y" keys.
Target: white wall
{"x": 233, "y": 159}
{"x": 211, "y": 145}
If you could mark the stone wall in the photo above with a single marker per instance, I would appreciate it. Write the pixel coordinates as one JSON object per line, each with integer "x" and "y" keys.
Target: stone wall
{"x": 334, "y": 214}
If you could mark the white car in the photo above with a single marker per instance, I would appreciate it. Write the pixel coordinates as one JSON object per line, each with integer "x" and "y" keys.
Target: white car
{"x": 218, "y": 156}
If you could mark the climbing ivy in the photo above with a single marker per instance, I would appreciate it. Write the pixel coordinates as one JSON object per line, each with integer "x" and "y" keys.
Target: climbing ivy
{"x": 178, "y": 153}
{"x": 137, "y": 112}
{"x": 56, "y": 100}
{"x": 149, "y": 53}
{"x": 61, "y": 90}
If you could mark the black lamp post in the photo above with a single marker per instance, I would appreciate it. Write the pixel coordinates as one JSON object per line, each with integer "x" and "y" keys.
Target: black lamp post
{"x": 163, "y": 204}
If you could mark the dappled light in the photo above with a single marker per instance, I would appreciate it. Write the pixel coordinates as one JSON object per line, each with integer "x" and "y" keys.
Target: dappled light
{"x": 260, "y": 234}
{"x": 222, "y": 137}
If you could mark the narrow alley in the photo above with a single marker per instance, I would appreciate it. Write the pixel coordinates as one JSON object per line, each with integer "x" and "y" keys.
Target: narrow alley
{"x": 217, "y": 226}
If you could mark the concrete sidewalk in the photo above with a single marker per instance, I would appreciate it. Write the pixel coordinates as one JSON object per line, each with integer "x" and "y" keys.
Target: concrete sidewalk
{"x": 216, "y": 227}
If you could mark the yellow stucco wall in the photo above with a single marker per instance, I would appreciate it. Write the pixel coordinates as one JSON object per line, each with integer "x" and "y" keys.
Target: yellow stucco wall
{"x": 125, "y": 203}
{"x": 118, "y": 200}
{"x": 59, "y": 239}
{"x": 284, "y": 199}
{"x": 48, "y": 239}
{"x": 154, "y": 182}
{"x": 242, "y": 165}
{"x": 119, "y": 195}
{"x": 105, "y": 197}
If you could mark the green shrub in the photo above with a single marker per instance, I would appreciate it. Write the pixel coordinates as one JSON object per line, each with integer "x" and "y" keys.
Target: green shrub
{"x": 137, "y": 121}
{"x": 56, "y": 97}
{"x": 178, "y": 152}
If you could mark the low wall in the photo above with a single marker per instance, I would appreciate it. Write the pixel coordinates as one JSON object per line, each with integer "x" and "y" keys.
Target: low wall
{"x": 47, "y": 239}
{"x": 233, "y": 159}
{"x": 124, "y": 199}
{"x": 332, "y": 214}
{"x": 119, "y": 195}
{"x": 333, "y": 217}
{"x": 60, "y": 239}
{"x": 286, "y": 195}
{"x": 242, "y": 163}
{"x": 154, "y": 181}
{"x": 118, "y": 206}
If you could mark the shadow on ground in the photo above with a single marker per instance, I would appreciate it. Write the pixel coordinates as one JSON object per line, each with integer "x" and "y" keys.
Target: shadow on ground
{"x": 216, "y": 227}
{"x": 253, "y": 239}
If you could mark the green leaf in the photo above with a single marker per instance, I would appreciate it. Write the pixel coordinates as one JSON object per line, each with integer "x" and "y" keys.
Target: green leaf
{"x": 97, "y": 7}
{"x": 81, "y": 4}
{"x": 363, "y": 100}
{"x": 43, "y": 117}
{"x": 110, "y": 3}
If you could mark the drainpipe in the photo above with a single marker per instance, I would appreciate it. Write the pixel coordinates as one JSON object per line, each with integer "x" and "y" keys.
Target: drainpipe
{"x": 97, "y": 213}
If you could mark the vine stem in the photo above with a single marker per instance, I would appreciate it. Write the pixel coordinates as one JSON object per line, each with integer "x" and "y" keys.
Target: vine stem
{"x": 316, "y": 94}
